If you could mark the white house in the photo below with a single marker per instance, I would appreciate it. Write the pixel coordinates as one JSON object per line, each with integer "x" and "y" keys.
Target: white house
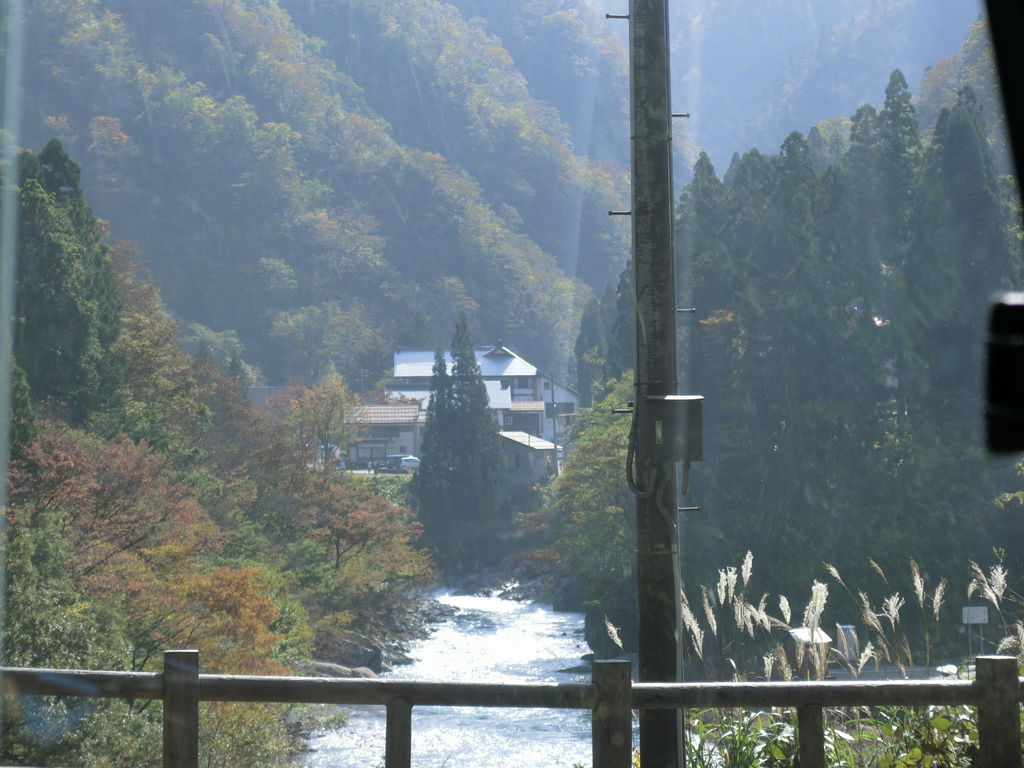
{"x": 522, "y": 398}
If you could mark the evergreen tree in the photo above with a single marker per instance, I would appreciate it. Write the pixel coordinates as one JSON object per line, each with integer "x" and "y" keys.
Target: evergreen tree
{"x": 622, "y": 335}
{"x": 960, "y": 254}
{"x": 23, "y": 428}
{"x": 430, "y": 488}
{"x": 67, "y": 302}
{"x": 899, "y": 159}
{"x": 457, "y": 488}
{"x": 591, "y": 343}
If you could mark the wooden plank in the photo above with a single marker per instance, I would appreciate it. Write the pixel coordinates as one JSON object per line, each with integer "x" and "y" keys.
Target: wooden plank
{"x": 612, "y": 722}
{"x": 811, "y": 732}
{"x": 398, "y": 738}
{"x": 78, "y": 682}
{"x": 181, "y": 709}
{"x": 825, "y": 693}
{"x": 998, "y": 712}
{"x": 358, "y": 691}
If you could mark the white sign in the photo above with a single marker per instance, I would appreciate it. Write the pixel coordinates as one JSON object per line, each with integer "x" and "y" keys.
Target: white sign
{"x": 975, "y": 614}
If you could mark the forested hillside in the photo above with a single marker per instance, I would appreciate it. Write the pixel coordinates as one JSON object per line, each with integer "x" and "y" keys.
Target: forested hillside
{"x": 311, "y": 192}
{"x": 150, "y": 507}
{"x": 313, "y": 183}
{"x": 838, "y": 340}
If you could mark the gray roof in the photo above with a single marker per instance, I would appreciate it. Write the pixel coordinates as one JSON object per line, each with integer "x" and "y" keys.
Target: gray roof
{"x": 495, "y": 362}
{"x": 530, "y": 441}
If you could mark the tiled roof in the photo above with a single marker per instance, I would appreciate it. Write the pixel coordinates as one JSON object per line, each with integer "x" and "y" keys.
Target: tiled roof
{"x": 396, "y": 413}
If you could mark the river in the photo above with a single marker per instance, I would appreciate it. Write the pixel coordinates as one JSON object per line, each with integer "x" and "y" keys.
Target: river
{"x": 486, "y": 639}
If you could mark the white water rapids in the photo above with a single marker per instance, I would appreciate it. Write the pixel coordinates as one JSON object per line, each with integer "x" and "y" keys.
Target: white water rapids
{"x": 488, "y": 639}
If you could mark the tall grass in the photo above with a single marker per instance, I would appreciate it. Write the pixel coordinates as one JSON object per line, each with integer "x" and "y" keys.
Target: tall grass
{"x": 732, "y": 632}
{"x": 731, "y": 635}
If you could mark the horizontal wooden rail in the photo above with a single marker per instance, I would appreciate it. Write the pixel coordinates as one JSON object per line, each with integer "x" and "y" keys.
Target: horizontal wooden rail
{"x": 996, "y": 693}
{"x": 825, "y": 693}
{"x": 420, "y": 694}
{"x": 79, "y": 682}
{"x": 293, "y": 690}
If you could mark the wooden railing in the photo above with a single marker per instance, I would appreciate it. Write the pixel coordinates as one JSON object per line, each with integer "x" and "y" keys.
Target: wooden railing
{"x": 995, "y": 692}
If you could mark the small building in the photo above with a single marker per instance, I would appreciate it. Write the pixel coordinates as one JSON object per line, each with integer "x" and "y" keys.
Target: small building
{"x": 522, "y": 398}
{"x": 528, "y": 459}
{"x": 386, "y": 429}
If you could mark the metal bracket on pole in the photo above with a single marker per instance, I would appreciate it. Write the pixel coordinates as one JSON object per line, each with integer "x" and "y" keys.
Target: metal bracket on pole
{"x": 680, "y": 114}
{"x": 616, "y": 15}
{"x": 620, "y": 213}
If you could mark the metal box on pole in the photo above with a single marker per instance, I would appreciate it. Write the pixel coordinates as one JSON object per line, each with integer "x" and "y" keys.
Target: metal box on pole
{"x": 672, "y": 428}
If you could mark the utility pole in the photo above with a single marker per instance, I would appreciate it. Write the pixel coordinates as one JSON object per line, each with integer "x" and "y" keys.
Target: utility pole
{"x": 658, "y": 580}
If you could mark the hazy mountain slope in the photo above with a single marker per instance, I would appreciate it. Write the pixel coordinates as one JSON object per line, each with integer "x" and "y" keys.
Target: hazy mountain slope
{"x": 278, "y": 194}
{"x": 752, "y": 73}
{"x": 974, "y": 66}
{"x": 446, "y": 86}
{"x": 572, "y": 60}
{"x": 312, "y": 173}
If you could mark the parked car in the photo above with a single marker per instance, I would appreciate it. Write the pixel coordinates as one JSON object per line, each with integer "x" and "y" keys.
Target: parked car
{"x": 398, "y": 464}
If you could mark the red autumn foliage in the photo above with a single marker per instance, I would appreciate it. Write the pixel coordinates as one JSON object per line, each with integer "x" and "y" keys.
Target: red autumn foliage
{"x": 110, "y": 497}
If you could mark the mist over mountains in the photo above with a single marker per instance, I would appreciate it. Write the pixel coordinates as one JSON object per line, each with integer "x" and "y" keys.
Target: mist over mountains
{"x": 313, "y": 182}
{"x": 752, "y": 73}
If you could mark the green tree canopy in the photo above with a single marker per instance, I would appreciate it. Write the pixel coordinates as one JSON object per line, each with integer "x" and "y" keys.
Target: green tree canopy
{"x": 67, "y": 302}
{"x": 458, "y": 486}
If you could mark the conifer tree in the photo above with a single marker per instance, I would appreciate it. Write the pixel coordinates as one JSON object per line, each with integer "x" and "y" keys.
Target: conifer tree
{"x": 589, "y": 349}
{"x": 457, "y": 489}
{"x": 67, "y": 304}
{"x": 622, "y": 334}
{"x": 430, "y": 488}
{"x": 899, "y": 158}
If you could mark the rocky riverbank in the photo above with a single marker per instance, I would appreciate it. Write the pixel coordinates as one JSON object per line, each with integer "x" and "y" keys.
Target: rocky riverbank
{"x": 358, "y": 653}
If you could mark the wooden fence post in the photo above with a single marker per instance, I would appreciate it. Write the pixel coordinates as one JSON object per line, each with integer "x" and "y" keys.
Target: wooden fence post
{"x": 398, "y": 734}
{"x": 181, "y": 709}
{"x": 612, "y": 723}
{"x": 998, "y": 712}
{"x": 811, "y": 732}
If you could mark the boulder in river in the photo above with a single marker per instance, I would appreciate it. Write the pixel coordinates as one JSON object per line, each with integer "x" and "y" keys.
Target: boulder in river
{"x": 351, "y": 649}
{"x": 329, "y": 669}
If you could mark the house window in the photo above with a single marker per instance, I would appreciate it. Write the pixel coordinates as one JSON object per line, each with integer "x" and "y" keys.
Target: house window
{"x": 547, "y": 385}
{"x": 508, "y": 421}
{"x": 523, "y": 382}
